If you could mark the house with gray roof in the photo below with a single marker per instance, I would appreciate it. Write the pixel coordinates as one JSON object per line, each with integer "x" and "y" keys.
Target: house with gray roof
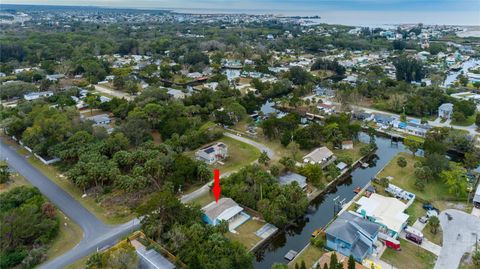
{"x": 350, "y": 234}
{"x": 445, "y": 111}
{"x": 226, "y": 209}
{"x": 101, "y": 119}
{"x": 290, "y": 177}
{"x": 322, "y": 156}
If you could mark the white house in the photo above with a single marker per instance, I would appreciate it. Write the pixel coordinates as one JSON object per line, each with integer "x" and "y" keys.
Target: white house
{"x": 212, "y": 153}
{"x": 445, "y": 110}
{"x": 322, "y": 156}
{"x": 347, "y": 144}
{"x": 35, "y": 95}
{"x": 101, "y": 119}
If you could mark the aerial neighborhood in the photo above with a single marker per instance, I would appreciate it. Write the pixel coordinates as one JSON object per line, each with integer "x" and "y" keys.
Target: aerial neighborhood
{"x": 150, "y": 138}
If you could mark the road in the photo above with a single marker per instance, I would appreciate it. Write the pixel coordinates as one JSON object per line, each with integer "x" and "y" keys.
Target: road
{"x": 96, "y": 233}
{"x": 204, "y": 189}
{"x": 459, "y": 236}
{"x": 472, "y": 129}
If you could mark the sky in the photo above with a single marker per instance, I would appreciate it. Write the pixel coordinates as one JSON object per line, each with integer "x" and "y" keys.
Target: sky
{"x": 451, "y": 11}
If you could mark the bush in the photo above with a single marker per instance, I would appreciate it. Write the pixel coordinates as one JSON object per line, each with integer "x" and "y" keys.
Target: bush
{"x": 402, "y": 162}
{"x": 319, "y": 241}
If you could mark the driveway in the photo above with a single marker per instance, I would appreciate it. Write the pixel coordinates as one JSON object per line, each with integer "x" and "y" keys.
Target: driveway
{"x": 96, "y": 233}
{"x": 204, "y": 189}
{"x": 459, "y": 235}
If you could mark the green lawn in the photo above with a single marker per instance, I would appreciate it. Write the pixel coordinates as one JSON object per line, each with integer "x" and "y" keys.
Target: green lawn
{"x": 246, "y": 233}
{"x": 405, "y": 179}
{"x": 239, "y": 155}
{"x": 352, "y": 153}
{"x": 434, "y": 238}
{"x": 415, "y": 211}
{"x": 310, "y": 256}
{"x": 204, "y": 199}
{"x": 467, "y": 122}
{"x": 411, "y": 256}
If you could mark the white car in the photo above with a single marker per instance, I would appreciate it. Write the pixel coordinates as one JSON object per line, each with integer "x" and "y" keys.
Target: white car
{"x": 432, "y": 213}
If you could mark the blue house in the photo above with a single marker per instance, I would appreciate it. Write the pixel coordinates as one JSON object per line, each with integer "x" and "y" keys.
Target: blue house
{"x": 225, "y": 210}
{"x": 350, "y": 234}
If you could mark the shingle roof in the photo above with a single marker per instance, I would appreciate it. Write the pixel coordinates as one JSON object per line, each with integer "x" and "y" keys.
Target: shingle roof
{"x": 214, "y": 210}
{"x": 293, "y": 177}
{"x": 347, "y": 226}
{"x": 319, "y": 154}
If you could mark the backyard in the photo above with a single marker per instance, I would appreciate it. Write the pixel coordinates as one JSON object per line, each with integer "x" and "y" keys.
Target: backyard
{"x": 411, "y": 256}
{"x": 245, "y": 233}
{"x": 435, "y": 190}
{"x": 310, "y": 255}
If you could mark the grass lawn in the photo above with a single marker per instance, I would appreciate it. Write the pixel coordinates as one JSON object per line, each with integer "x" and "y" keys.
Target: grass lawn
{"x": 415, "y": 211}
{"x": 411, "y": 256}
{"x": 204, "y": 199}
{"x": 310, "y": 256}
{"x": 69, "y": 236}
{"x": 405, "y": 179}
{"x": 354, "y": 153}
{"x": 17, "y": 181}
{"x": 246, "y": 233}
{"x": 88, "y": 202}
{"x": 467, "y": 122}
{"x": 434, "y": 238}
{"x": 79, "y": 264}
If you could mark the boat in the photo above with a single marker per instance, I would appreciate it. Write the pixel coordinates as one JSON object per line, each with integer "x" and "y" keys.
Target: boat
{"x": 357, "y": 190}
{"x": 291, "y": 255}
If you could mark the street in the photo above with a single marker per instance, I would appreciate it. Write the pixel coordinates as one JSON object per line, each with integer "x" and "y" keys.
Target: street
{"x": 96, "y": 233}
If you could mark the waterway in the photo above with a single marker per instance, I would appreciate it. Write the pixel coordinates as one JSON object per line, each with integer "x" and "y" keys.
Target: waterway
{"x": 321, "y": 210}
{"x": 452, "y": 75}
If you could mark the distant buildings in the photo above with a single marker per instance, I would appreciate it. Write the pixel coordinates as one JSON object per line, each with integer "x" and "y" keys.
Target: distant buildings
{"x": 322, "y": 156}
{"x": 225, "y": 210}
{"x": 350, "y": 234}
{"x": 212, "y": 153}
{"x": 445, "y": 111}
{"x": 176, "y": 94}
{"x": 101, "y": 119}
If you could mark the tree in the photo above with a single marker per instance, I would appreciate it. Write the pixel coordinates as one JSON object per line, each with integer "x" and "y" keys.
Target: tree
{"x": 458, "y": 117}
{"x": 351, "y": 262}
{"x": 264, "y": 159}
{"x": 122, "y": 256}
{"x": 294, "y": 148}
{"x": 313, "y": 172}
{"x": 303, "y": 266}
{"x": 413, "y": 144}
{"x": 434, "y": 223}
{"x": 402, "y": 162}
{"x": 92, "y": 101}
{"x": 476, "y": 257}
{"x": 4, "y": 172}
{"x": 333, "y": 261}
{"x": 477, "y": 120}
{"x": 455, "y": 181}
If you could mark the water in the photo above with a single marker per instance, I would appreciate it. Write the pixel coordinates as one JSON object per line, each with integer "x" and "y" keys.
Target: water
{"x": 320, "y": 211}
{"x": 452, "y": 75}
{"x": 268, "y": 108}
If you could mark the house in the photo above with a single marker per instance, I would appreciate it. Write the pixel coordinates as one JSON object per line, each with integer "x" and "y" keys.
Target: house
{"x": 350, "y": 234}
{"x": 385, "y": 211}
{"x": 290, "y": 177}
{"x": 341, "y": 166}
{"x": 383, "y": 119}
{"x": 35, "y": 95}
{"x": 225, "y": 210}
{"x": 2, "y": 74}
{"x": 55, "y": 77}
{"x": 101, "y": 119}
{"x": 150, "y": 258}
{"x": 326, "y": 257}
{"x": 417, "y": 129}
{"x": 445, "y": 110}
{"x": 212, "y": 153}
{"x": 176, "y": 94}
{"x": 322, "y": 156}
{"x": 347, "y": 144}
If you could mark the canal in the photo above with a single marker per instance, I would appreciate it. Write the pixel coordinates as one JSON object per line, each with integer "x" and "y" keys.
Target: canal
{"x": 321, "y": 210}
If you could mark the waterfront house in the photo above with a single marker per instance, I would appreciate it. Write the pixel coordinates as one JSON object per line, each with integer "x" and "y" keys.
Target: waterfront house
{"x": 290, "y": 177}
{"x": 384, "y": 119}
{"x": 417, "y": 129}
{"x": 212, "y": 153}
{"x": 347, "y": 144}
{"x": 385, "y": 211}
{"x": 445, "y": 110}
{"x": 350, "y": 234}
{"x": 322, "y": 156}
{"x": 225, "y": 210}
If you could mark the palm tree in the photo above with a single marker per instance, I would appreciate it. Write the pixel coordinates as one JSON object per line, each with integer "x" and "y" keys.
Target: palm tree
{"x": 434, "y": 223}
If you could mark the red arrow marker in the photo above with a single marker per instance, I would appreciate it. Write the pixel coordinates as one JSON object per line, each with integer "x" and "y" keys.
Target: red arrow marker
{"x": 216, "y": 184}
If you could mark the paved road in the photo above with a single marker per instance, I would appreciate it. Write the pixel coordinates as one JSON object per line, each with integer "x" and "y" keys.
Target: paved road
{"x": 459, "y": 235}
{"x": 204, "y": 189}
{"x": 112, "y": 92}
{"x": 96, "y": 233}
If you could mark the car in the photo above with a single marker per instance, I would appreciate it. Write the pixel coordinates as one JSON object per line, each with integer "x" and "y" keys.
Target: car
{"x": 414, "y": 238}
{"x": 423, "y": 219}
{"x": 428, "y": 206}
{"x": 432, "y": 213}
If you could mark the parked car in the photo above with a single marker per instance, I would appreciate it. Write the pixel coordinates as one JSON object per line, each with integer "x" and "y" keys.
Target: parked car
{"x": 423, "y": 219}
{"x": 428, "y": 207}
{"x": 414, "y": 238}
{"x": 432, "y": 213}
